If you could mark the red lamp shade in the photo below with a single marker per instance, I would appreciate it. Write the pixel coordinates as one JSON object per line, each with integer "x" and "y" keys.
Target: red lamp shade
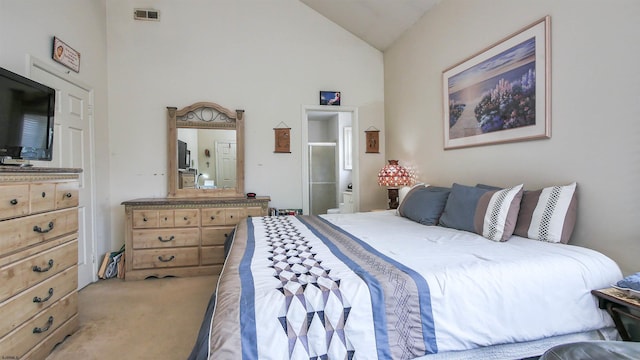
{"x": 393, "y": 175}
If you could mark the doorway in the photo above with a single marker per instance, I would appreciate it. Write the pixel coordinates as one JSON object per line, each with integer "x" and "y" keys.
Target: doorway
{"x": 73, "y": 148}
{"x": 325, "y": 131}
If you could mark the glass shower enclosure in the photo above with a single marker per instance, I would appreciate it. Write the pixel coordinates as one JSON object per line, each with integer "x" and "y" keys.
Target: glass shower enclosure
{"x": 323, "y": 186}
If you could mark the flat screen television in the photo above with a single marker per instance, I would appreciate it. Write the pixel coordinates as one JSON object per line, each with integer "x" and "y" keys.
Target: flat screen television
{"x": 183, "y": 163}
{"x": 26, "y": 118}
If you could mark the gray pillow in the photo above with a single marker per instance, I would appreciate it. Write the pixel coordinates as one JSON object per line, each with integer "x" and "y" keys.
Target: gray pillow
{"x": 424, "y": 204}
{"x": 548, "y": 214}
{"x": 460, "y": 209}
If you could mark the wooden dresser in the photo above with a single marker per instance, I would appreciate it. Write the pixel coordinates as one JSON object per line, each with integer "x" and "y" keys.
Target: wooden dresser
{"x": 38, "y": 260}
{"x": 187, "y": 180}
{"x": 182, "y": 236}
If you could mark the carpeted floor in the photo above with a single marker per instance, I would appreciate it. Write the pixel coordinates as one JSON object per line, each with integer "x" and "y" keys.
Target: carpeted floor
{"x": 148, "y": 319}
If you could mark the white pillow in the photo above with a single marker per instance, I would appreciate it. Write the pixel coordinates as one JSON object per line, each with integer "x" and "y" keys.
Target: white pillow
{"x": 403, "y": 191}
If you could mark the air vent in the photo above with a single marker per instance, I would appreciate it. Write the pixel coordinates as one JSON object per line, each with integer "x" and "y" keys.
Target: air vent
{"x": 146, "y": 14}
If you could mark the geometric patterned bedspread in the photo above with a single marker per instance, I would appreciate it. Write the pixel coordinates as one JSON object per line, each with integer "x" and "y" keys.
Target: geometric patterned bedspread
{"x": 306, "y": 289}
{"x": 333, "y": 287}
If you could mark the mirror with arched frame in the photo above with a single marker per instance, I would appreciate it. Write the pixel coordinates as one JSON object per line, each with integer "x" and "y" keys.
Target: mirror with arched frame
{"x": 205, "y": 151}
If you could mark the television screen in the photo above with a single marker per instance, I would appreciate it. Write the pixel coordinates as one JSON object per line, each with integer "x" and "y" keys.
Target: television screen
{"x": 182, "y": 155}
{"x": 26, "y": 118}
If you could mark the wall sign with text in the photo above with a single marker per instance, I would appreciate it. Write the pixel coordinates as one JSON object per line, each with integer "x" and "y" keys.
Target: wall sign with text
{"x": 65, "y": 55}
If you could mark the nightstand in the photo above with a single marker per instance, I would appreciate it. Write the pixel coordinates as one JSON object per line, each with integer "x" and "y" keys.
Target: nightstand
{"x": 618, "y": 305}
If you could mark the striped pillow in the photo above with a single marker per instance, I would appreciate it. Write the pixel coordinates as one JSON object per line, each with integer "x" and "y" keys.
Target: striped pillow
{"x": 548, "y": 214}
{"x": 497, "y": 213}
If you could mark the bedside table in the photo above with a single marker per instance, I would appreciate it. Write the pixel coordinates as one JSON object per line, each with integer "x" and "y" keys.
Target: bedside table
{"x": 618, "y": 304}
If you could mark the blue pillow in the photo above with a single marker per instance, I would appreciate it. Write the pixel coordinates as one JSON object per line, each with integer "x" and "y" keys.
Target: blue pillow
{"x": 424, "y": 204}
{"x": 630, "y": 282}
{"x": 460, "y": 209}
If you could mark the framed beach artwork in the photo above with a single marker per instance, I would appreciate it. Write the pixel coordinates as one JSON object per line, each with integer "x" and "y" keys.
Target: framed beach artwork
{"x": 503, "y": 93}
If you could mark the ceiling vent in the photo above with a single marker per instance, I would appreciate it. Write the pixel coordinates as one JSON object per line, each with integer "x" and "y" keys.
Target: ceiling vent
{"x": 146, "y": 14}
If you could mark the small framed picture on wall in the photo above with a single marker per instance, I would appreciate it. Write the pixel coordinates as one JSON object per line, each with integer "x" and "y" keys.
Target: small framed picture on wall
{"x": 330, "y": 98}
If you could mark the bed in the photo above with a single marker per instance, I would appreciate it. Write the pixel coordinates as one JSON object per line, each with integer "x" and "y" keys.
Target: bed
{"x": 380, "y": 286}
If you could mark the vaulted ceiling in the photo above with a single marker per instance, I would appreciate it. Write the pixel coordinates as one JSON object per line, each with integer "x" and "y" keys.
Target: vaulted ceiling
{"x": 378, "y": 22}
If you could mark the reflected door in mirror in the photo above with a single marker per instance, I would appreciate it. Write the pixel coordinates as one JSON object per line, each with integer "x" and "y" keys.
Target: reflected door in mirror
{"x": 215, "y": 162}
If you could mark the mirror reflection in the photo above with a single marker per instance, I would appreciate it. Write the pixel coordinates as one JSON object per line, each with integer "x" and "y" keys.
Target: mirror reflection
{"x": 206, "y": 158}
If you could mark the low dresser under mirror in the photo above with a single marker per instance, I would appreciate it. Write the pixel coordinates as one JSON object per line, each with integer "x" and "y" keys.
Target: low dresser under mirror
{"x": 184, "y": 233}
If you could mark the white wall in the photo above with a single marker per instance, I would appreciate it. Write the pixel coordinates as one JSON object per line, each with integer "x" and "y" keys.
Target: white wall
{"x": 268, "y": 57}
{"x": 27, "y": 28}
{"x": 595, "y": 112}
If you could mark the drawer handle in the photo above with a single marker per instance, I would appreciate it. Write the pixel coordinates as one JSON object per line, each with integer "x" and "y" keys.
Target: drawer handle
{"x": 166, "y": 240}
{"x": 68, "y": 195}
{"x": 14, "y": 202}
{"x": 38, "y": 330}
{"x": 231, "y": 216}
{"x": 44, "y": 194}
{"x": 40, "y": 230}
{"x": 40, "y": 300}
{"x": 186, "y": 218}
{"x": 144, "y": 219}
{"x": 40, "y": 270}
{"x": 213, "y": 217}
{"x": 166, "y": 260}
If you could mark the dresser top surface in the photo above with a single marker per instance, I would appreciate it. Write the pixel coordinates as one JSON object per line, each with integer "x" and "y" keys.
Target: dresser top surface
{"x": 193, "y": 201}
{"x": 38, "y": 170}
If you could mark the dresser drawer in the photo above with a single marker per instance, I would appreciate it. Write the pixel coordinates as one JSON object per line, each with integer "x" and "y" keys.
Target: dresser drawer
{"x": 187, "y": 218}
{"x": 255, "y": 211}
{"x": 145, "y": 219}
{"x": 163, "y": 258}
{"x": 212, "y": 217}
{"x": 67, "y": 194}
{"x": 178, "y": 218}
{"x": 23, "y": 274}
{"x": 19, "y": 308}
{"x": 215, "y": 235}
{"x": 26, "y": 231}
{"x": 29, "y": 334}
{"x": 158, "y": 238}
{"x": 229, "y": 216}
{"x": 233, "y": 216}
{"x": 42, "y": 197}
{"x": 212, "y": 255}
{"x": 14, "y": 201}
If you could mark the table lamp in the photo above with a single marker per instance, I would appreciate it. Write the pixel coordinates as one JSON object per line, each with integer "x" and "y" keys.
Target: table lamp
{"x": 393, "y": 176}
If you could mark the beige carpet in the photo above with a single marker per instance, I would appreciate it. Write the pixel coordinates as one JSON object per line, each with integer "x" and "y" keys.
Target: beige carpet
{"x": 147, "y": 319}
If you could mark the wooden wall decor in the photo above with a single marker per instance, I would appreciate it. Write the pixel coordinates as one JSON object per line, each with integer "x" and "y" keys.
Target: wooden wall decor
{"x": 372, "y": 140}
{"x": 283, "y": 139}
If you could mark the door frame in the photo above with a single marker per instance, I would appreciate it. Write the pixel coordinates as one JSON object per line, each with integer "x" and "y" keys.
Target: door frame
{"x": 355, "y": 177}
{"x": 33, "y": 62}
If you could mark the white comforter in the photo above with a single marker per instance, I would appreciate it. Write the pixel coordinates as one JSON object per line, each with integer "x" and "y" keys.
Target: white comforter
{"x": 485, "y": 293}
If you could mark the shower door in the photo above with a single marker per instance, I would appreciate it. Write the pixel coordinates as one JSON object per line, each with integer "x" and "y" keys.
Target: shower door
{"x": 322, "y": 178}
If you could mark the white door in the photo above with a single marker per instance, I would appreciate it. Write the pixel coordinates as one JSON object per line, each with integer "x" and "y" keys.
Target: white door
{"x": 72, "y": 148}
{"x": 225, "y": 164}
